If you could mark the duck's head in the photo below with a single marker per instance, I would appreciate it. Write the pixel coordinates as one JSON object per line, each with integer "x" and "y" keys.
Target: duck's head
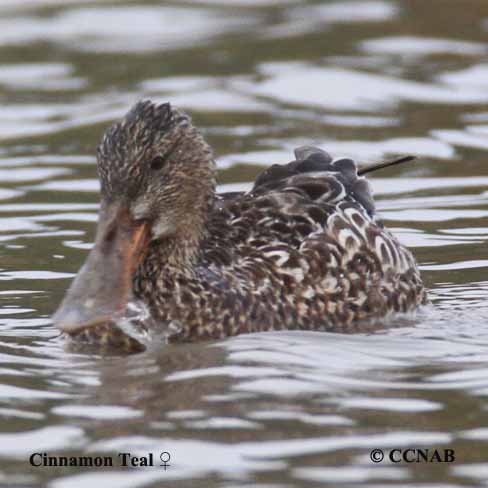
{"x": 157, "y": 179}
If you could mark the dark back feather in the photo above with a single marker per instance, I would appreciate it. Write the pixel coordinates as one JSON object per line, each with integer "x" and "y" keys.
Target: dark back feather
{"x": 315, "y": 175}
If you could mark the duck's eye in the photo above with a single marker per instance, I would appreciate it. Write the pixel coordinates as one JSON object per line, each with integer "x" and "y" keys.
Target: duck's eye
{"x": 157, "y": 163}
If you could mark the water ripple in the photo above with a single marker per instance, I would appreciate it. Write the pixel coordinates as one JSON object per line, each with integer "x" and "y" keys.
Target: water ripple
{"x": 367, "y": 79}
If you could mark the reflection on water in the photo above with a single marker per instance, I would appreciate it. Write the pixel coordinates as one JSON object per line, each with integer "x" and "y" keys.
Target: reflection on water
{"x": 362, "y": 78}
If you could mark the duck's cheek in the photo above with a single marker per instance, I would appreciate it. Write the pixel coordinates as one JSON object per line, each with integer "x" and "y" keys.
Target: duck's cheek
{"x": 164, "y": 226}
{"x": 101, "y": 290}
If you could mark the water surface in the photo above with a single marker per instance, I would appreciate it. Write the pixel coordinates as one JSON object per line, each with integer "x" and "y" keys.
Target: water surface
{"x": 365, "y": 78}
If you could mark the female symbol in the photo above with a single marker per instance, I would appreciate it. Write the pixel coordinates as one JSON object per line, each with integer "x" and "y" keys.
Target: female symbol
{"x": 165, "y": 457}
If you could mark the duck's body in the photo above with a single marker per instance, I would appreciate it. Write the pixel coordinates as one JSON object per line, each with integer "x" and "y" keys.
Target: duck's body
{"x": 296, "y": 252}
{"x": 303, "y": 249}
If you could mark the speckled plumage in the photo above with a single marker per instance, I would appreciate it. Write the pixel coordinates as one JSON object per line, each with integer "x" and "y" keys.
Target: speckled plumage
{"x": 303, "y": 249}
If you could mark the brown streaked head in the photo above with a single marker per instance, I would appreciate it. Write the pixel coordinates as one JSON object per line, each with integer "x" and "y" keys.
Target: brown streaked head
{"x": 157, "y": 180}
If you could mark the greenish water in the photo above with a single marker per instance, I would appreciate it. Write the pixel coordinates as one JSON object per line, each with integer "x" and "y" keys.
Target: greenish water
{"x": 260, "y": 77}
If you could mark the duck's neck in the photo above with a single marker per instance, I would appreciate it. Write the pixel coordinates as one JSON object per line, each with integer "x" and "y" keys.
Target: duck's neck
{"x": 177, "y": 254}
{"x": 166, "y": 264}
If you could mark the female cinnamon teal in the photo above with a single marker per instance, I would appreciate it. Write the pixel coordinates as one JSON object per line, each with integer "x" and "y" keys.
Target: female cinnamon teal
{"x": 303, "y": 249}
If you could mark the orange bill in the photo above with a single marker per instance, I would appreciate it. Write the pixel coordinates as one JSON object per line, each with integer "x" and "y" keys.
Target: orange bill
{"x": 101, "y": 290}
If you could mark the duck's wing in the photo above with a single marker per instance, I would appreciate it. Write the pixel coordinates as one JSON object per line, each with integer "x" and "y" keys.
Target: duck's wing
{"x": 318, "y": 178}
{"x": 224, "y": 199}
{"x": 314, "y": 175}
{"x": 328, "y": 212}
{"x": 309, "y": 229}
{"x": 292, "y": 203}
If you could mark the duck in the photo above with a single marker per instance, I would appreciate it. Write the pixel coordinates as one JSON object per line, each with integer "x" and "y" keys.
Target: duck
{"x": 303, "y": 249}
